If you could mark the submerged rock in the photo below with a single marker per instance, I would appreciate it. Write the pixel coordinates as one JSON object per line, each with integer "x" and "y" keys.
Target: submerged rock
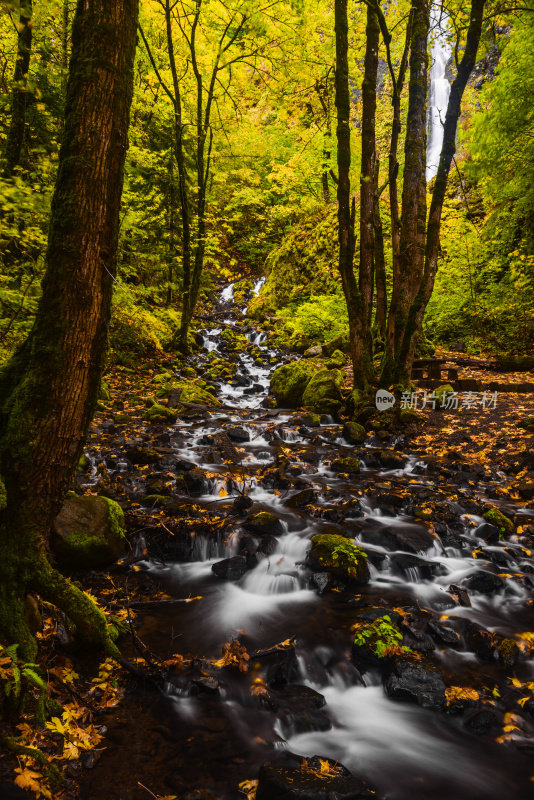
{"x": 89, "y": 532}
{"x": 339, "y": 556}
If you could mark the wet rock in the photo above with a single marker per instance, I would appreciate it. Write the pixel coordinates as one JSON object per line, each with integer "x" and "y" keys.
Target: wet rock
{"x": 296, "y": 778}
{"x": 181, "y": 465}
{"x": 508, "y": 651}
{"x": 412, "y": 539}
{"x": 264, "y": 522}
{"x": 353, "y": 433}
{"x": 444, "y": 634}
{"x": 389, "y": 459}
{"x": 238, "y": 434}
{"x": 350, "y": 466}
{"x": 279, "y": 663}
{"x": 195, "y": 481}
{"x": 482, "y": 722}
{"x": 338, "y": 343}
{"x": 299, "y": 709}
{"x": 503, "y": 523}
{"x": 302, "y": 498}
{"x": 339, "y": 556}
{"x": 413, "y": 567}
{"x": 320, "y": 582}
{"x": 416, "y": 681}
{"x": 231, "y": 569}
{"x": 89, "y": 532}
{"x": 460, "y": 595}
{"x": 323, "y": 391}
{"x": 488, "y": 532}
{"x": 142, "y": 456}
{"x": 242, "y": 504}
{"x": 483, "y": 582}
{"x": 479, "y": 640}
{"x": 205, "y": 685}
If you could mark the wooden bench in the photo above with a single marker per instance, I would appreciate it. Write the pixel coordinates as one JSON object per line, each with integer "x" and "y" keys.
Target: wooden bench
{"x": 433, "y": 368}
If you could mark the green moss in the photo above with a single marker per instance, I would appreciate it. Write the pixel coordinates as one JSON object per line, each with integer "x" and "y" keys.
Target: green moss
{"x": 380, "y": 636}
{"x": 340, "y": 556}
{"x": 527, "y": 423}
{"x": 500, "y": 520}
{"x": 159, "y": 413}
{"x": 337, "y": 360}
{"x": 289, "y": 381}
{"x": 441, "y": 393}
{"x": 323, "y": 391}
{"x": 353, "y": 432}
{"x": 89, "y": 532}
{"x": 348, "y": 465}
{"x": 3, "y": 495}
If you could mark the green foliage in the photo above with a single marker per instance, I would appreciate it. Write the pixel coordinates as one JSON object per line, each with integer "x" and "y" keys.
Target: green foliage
{"x": 381, "y": 636}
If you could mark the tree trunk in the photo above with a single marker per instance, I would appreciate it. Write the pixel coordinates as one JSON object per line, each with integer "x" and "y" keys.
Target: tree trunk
{"x": 379, "y": 264}
{"x": 358, "y": 329}
{"x": 448, "y": 149}
{"x": 412, "y": 234}
{"x": 48, "y": 390}
{"x": 15, "y": 134}
{"x": 368, "y": 164}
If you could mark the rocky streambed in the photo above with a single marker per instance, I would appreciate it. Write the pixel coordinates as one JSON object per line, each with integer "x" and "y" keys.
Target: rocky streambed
{"x": 335, "y": 614}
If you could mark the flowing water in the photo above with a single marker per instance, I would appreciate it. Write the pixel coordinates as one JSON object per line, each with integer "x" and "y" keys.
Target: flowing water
{"x": 439, "y": 89}
{"x": 218, "y": 734}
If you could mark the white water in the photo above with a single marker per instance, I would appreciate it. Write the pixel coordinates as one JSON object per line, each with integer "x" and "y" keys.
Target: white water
{"x": 439, "y": 89}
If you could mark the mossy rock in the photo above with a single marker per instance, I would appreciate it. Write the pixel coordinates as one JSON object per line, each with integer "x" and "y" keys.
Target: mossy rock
{"x": 441, "y": 392}
{"x": 500, "y": 520}
{"x": 264, "y": 522}
{"x": 527, "y": 423}
{"x": 88, "y": 532}
{"x": 336, "y": 360}
{"x": 341, "y": 344}
{"x": 340, "y": 556}
{"x": 104, "y": 393}
{"x": 159, "y": 413}
{"x": 348, "y": 465}
{"x": 289, "y": 382}
{"x": 323, "y": 391}
{"x": 407, "y": 416}
{"x": 353, "y": 432}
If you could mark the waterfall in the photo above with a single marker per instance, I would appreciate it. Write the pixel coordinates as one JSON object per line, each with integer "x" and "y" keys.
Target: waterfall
{"x": 439, "y": 89}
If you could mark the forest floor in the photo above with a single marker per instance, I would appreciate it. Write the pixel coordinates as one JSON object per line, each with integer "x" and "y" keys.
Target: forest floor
{"x": 237, "y": 639}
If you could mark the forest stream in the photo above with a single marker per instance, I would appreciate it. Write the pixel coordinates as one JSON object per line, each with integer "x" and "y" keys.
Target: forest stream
{"x": 246, "y": 489}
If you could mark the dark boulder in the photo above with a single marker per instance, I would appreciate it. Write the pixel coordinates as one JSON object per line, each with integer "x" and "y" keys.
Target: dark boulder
{"x": 412, "y": 538}
{"x": 264, "y": 522}
{"x": 238, "y": 434}
{"x": 483, "y": 582}
{"x": 231, "y": 569}
{"x": 416, "y": 681}
{"x": 296, "y": 778}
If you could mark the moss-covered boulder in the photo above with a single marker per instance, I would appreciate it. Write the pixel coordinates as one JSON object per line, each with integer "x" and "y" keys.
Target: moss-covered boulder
{"x": 503, "y": 523}
{"x": 323, "y": 391}
{"x": 264, "y": 522}
{"x": 187, "y": 392}
{"x": 339, "y": 556}
{"x": 159, "y": 413}
{"x": 353, "y": 432}
{"x": 442, "y": 392}
{"x": 289, "y": 381}
{"x": 336, "y": 360}
{"x": 88, "y": 532}
{"x": 527, "y": 423}
{"x": 348, "y": 465}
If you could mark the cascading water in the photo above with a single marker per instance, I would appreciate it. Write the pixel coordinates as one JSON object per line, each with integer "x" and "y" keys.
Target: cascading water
{"x": 439, "y": 89}
{"x": 223, "y": 725}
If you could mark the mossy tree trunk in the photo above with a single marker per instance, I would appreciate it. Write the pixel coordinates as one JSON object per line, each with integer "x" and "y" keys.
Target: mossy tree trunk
{"x": 48, "y": 390}
{"x": 412, "y": 233}
{"x": 19, "y": 100}
{"x": 359, "y": 328}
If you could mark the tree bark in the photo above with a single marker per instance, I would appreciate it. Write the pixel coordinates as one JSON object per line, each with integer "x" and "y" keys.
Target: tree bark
{"x": 15, "y": 134}
{"x": 448, "y": 149}
{"x": 358, "y": 329}
{"x": 412, "y": 233}
{"x": 48, "y": 390}
{"x": 368, "y": 164}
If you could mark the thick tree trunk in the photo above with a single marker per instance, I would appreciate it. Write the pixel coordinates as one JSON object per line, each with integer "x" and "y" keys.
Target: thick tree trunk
{"x": 358, "y": 329}
{"x": 15, "y": 134}
{"x": 379, "y": 264}
{"x": 412, "y": 234}
{"x": 448, "y": 149}
{"x": 48, "y": 390}
{"x": 368, "y": 164}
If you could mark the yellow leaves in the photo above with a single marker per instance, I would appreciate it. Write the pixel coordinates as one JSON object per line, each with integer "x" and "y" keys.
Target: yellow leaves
{"x": 75, "y": 738}
{"x": 456, "y": 693}
{"x": 258, "y": 688}
{"x": 223, "y": 493}
{"x": 526, "y": 641}
{"x": 30, "y": 780}
{"x": 249, "y": 788}
{"x": 234, "y": 654}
